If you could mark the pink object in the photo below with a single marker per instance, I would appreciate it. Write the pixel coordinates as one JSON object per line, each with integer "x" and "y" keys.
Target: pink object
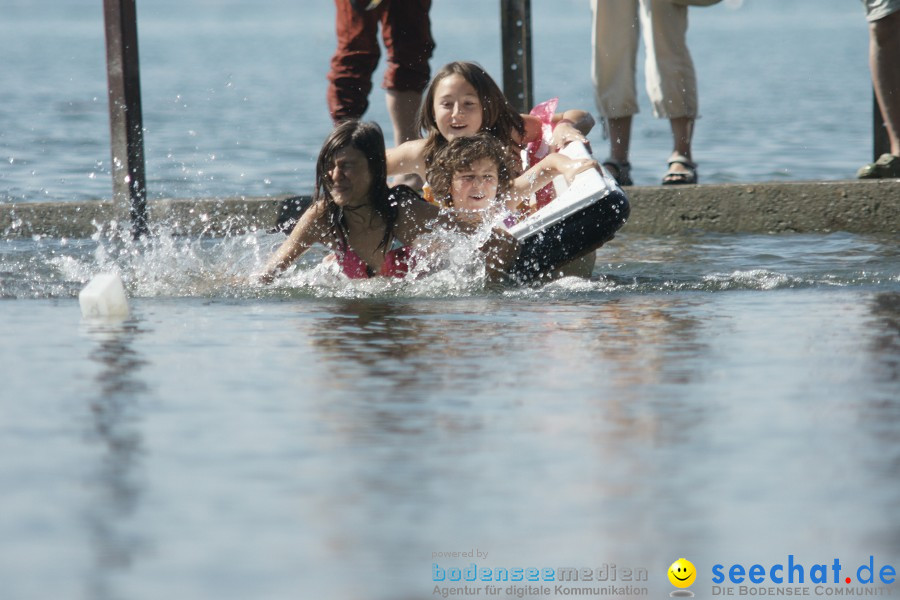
{"x": 540, "y": 148}
{"x": 397, "y": 263}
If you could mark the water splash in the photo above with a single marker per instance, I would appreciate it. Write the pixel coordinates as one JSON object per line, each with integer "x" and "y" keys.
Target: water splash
{"x": 170, "y": 265}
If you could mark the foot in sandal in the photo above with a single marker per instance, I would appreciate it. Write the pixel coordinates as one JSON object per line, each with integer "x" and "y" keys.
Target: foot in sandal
{"x": 886, "y": 167}
{"x": 620, "y": 171}
{"x": 682, "y": 170}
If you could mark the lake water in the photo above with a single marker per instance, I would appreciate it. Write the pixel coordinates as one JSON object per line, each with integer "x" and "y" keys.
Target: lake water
{"x": 732, "y": 399}
{"x": 233, "y": 92}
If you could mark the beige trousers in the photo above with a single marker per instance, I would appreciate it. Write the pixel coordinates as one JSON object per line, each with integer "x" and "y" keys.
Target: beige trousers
{"x": 879, "y": 9}
{"x": 669, "y": 70}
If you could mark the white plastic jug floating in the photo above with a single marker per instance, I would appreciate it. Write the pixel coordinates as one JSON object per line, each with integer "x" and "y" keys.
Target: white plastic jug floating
{"x": 103, "y": 296}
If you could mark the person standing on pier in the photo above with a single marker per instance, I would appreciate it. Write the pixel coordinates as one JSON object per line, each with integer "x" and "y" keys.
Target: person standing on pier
{"x": 671, "y": 81}
{"x": 406, "y": 31}
{"x": 884, "y": 61}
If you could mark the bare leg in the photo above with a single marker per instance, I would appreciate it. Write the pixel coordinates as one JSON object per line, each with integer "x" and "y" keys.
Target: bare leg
{"x": 884, "y": 56}
{"x": 682, "y": 132}
{"x": 619, "y": 130}
{"x": 402, "y": 107}
{"x": 619, "y": 138}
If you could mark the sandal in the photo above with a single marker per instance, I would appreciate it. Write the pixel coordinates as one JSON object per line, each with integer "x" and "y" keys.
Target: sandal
{"x": 886, "y": 167}
{"x": 620, "y": 171}
{"x": 673, "y": 177}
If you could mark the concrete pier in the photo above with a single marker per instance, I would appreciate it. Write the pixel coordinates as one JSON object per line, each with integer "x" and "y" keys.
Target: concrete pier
{"x": 801, "y": 207}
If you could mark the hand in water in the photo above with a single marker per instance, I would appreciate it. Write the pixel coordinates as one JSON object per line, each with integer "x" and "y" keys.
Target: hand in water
{"x": 500, "y": 252}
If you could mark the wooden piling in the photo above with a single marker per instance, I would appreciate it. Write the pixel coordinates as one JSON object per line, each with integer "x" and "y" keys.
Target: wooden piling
{"x": 125, "y": 117}
{"x": 515, "y": 27}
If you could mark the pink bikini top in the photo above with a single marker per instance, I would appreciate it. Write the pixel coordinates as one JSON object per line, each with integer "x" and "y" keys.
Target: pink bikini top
{"x": 397, "y": 263}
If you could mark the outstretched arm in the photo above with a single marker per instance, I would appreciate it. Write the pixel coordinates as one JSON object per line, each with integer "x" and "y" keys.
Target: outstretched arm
{"x": 571, "y": 126}
{"x": 543, "y": 173}
{"x": 408, "y": 157}
{"x": 306, "y": 232}
{"x": 500, "y": 253}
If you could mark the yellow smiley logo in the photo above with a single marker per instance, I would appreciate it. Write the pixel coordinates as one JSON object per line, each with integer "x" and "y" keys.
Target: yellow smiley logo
{"x": 682, "y": 573}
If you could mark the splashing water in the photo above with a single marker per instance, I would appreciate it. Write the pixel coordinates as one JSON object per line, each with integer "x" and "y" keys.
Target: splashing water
{"x": 169, "y": 265}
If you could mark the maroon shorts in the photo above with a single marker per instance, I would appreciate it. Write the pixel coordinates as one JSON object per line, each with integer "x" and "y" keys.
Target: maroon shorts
{"x": 406, "y": 30}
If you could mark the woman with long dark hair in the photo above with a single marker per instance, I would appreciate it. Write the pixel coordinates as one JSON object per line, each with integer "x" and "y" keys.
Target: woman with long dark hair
{"x": 369, "y": 226}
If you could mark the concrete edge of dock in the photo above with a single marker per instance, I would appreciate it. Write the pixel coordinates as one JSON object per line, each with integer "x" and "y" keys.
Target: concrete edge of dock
{"x": 771, "y": 207}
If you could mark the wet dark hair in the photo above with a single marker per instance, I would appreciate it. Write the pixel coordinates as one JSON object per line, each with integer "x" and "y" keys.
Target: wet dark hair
{"x": 368, "y": 138}
{"x": 460, "y": 154}
{"x": 498, "y": 117}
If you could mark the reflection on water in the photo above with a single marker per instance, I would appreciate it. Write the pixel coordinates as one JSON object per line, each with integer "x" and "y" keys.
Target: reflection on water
{"x": 371, "y": 340}
{"x": 885, "y": 347}
{"x": 652, "y": 339}
{"x": 115, "y": 427}
{"x": 392, "y": 350}
{"x": 880, "y": 415}
{"x": 444, "y": 403}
